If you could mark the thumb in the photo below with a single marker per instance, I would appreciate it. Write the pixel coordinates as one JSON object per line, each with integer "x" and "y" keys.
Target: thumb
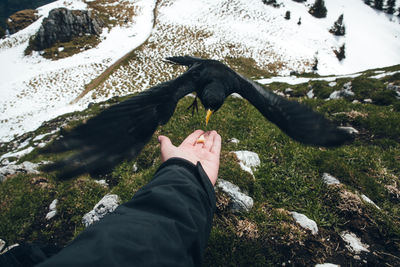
{"x": 165, "y": 142}
{"x": 165, "y": 147}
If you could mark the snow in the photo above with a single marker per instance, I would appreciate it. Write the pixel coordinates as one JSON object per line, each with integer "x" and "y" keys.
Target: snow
{"x": 34, "y": 89}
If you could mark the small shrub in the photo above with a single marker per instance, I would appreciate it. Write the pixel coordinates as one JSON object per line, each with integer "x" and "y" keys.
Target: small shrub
{"x": 338, "y": 28}
{"x": 287, "y": 15}
{"x": 341, "y": 53}
{"x": 318, "y": 9}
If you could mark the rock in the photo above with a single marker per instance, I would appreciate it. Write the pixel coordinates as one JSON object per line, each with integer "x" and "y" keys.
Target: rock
{"x": 53, "y": 209}
{"x": 25, "y": 167}
{"x": 310, "y": 94}
{"x": 234, "y": 141}
{"x": 248, "y": 160}
{"x": 366, "y": 199}
{"x": 63, "y": 24}
{"x": 353, "y": 243}
{"x": 350, "y": 130}
{"x": 102, "y": 182}
{"x": 332, "y": 84}
{"x": 21, "y": 19}
{"x": 368, "y": 100}
{"x": 106, "y": 205}
{"x": 9, "y": 248}
{"x": 239, "y": 202}
{"x": 289, "y": 90}
{"x": 345, "y": 92}
{"x": 329, "y": 179}
{"x": 327, "y": 265}
{"x": 305, "y": 222}
{"x": 2, "y": 244}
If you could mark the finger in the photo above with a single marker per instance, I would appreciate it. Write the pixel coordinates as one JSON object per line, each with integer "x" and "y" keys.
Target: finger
{"x": 165, "y": 142}
{"x": 209, "y": 136}
{"x": 216, "y": 146}
{"x": 192, "y": 138}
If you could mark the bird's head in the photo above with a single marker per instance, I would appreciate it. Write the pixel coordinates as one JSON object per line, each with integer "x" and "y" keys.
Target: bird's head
{"x": 212, "y": 81}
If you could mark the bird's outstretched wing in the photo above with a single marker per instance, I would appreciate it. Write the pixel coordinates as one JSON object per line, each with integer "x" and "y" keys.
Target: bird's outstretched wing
{"x": 296, "y": 120}
{"x": 119, "y": 132}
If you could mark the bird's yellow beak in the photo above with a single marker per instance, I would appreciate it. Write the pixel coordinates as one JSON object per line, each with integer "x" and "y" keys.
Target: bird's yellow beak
{"x": 209, "y": 113}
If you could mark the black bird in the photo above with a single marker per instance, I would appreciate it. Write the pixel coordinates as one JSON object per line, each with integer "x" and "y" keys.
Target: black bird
{"x": 121, "y": 131}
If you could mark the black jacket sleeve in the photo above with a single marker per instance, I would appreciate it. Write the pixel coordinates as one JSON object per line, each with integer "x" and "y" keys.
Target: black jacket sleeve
{"x": 167, "y": 223}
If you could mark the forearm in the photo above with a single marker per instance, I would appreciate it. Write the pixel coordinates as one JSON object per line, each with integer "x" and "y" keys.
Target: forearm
{"x": 167, "y": 223}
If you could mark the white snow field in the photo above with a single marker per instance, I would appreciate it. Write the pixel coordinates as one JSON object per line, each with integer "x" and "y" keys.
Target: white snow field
{"x": 34, "y": 89}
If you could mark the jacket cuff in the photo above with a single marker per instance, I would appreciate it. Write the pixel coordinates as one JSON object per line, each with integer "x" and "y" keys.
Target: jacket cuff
{"x": 198, "y": 171}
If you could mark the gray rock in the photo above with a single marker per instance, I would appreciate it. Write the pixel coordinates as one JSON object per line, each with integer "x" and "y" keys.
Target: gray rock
{"x": 52, "y": 209}
{"x": 288, "y": 90}
{"x": 9, "y": 248}
{"x": 344, "y": 92}
{"x": 234, "y": 141}
{"x": 2, "y": 244}
{"x": 305, "y": 222}
{"x": 329, "y": 179}
{"x": 63, "y": 24}
{"x": 310, "y": 94}
{"x": 327, "y": 265}
{"x": 353, "y": 243}
{"x": 239, "y": 202}
{"x": 350, "y": 130}
{"x": 368, "y": 100}
{"x": 368, "y": 200}
{"x": 332, "y": 84}
{"x": 106, "y": 205}
{"x": 248, "y": 160}
{"x": 25, "y": 167}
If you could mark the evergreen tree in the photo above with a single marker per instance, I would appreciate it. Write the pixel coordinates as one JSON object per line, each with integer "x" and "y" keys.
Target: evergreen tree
{"x": 390, "y": 6}
{"x": 341, "y": 53}
{"x": 318, "y": 9}
{"x": 300, "y": 1}
{"x": 299, "y": 22}
{"x": 287, "y": 15}
{"x": 338, "y": 27}
{"x": 367, "y": 2}
{"x": 378, "y": 4}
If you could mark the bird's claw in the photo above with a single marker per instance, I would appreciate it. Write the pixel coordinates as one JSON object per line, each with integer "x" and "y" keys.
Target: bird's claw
{"x": 194, "y": 106}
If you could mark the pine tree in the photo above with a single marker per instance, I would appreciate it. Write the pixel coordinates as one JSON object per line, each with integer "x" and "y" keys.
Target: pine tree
{"x": 378, "y": 4}
{"x": 367, "y": 2}
{"x": 390, "y": 6}
{"x": 287, "y": 15}
{"x": 318, "y": 9}
{"x": 299, "y": 22}
{"x": 341, "y": 53}
{"x": 338, "y": 28}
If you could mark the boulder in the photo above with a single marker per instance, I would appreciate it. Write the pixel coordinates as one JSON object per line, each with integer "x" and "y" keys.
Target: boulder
{"x": 305, "y": 222}
{"x": 106, "y": 205}
{"x": 63, "y": 24}
{"x": 239, "y": 202}
{"x": 248, "y": 160}
{"x": 21, "y": 19}
{"x": 25, "y": 167}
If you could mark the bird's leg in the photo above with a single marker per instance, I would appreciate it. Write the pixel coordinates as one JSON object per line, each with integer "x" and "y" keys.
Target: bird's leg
{"x": 194, "y": 106}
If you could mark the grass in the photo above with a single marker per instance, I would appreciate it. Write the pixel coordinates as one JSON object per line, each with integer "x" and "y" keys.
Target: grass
{"x": 289, "y": 179}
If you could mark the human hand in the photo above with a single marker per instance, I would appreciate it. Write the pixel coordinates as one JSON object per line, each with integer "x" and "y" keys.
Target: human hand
{"x": 207, "y": 153}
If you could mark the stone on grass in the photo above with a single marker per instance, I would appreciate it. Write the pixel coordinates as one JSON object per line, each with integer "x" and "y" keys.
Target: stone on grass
{"x": 329, "y": 179}
{"x": 368, "y": 200}
{"x": 2, "y": 244}
{"x": 310, "y": 94}
{"x": 353, "y": 243}
{"x": 106, "y": 205}
{"x": 349, "y": 129}
{"x": 248, "y": 160}
{"x": 305, "y": 222}
{"x": 344, "y": 92}
{"x": 25, "y": 167}
{"x": 52, "y": 209}
{"x": 327, "y": 265}
{"x": 234, "y": 141}
{"x": 239, "y": 202}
